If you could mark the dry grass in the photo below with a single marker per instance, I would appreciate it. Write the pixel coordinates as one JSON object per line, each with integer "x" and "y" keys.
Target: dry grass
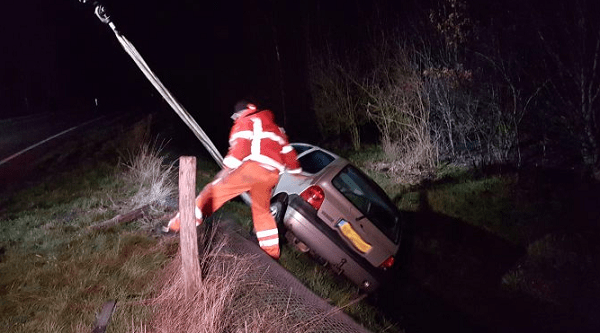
{"x": 232, "y": 298}
{"x": 54, "y": 278}
{"x": 406, "y": 166}
{"x": 152, "y": 179}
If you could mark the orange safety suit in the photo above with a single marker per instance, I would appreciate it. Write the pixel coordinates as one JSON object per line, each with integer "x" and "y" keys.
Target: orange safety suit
{"x": 258, "y": 152}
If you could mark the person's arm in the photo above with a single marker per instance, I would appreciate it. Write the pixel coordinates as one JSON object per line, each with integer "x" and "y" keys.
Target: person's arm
{"x": 239, "y": 144}
{"x": 289, "y": 156}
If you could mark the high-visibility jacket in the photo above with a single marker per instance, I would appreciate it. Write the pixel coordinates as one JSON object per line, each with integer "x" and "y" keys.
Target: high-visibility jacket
{"x": 258, "y": 151}
{"x": 256, "y": 137}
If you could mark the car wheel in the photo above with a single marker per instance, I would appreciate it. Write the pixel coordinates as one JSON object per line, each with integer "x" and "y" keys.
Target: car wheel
{"x": 278, "y": 207}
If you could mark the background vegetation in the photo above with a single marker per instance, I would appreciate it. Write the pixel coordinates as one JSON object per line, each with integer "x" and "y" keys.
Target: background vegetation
{"x": 482, "y": 248}
{"x": 452, "y": 82}
{"x": 488, "y": 143}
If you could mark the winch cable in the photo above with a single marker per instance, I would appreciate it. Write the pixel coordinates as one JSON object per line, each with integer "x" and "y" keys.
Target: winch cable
{"x": 102, "y": 14}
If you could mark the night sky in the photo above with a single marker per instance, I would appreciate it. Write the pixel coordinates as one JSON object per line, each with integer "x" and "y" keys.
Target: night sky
{"x": 58, "y": 57}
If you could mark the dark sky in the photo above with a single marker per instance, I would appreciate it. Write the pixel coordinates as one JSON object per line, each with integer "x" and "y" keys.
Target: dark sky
{"x": 58, "y": 57}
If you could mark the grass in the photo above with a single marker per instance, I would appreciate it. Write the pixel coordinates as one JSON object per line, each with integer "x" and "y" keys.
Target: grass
{"x": 54, "y": 276}
{"x": 336, "y": 290}
{"x": 533, "y": 231}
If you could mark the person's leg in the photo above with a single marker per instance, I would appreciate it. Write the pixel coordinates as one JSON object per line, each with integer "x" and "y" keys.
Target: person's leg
{"x": 264, "y": 223}
{"x": 215, "y": 194}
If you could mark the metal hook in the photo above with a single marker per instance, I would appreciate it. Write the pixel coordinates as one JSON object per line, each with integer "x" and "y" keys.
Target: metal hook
{"x": 102, "y": 14}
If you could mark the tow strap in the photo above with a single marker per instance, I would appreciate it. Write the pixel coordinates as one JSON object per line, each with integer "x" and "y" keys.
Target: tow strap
{"x": 102, "y": 14}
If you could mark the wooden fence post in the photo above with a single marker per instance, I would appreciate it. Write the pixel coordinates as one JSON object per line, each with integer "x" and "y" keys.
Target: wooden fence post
{"x": 188, "y": 237}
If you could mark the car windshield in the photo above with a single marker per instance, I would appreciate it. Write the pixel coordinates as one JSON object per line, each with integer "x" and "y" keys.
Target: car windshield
{"x": 315, "y": 161}
{"x": 369, "y": 199}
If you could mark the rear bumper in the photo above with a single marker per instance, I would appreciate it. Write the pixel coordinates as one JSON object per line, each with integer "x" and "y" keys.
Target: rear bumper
{"x": 302, "y": 220}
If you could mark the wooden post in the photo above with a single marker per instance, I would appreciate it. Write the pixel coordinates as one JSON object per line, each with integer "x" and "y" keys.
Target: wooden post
{"x": 189, "y": 239}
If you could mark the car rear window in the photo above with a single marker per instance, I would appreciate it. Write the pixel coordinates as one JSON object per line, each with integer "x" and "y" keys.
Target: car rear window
{"x": 315, "y": 161}
{"x": 370, "y": 199}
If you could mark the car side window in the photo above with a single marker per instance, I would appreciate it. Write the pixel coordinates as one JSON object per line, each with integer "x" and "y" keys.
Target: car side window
{"x": 315, "y": 161}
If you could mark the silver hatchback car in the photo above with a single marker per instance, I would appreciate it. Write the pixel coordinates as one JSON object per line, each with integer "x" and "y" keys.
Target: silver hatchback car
{"x": 338, "y": 214}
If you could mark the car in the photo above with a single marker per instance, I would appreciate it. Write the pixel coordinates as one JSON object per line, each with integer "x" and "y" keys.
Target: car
{"x": 338, "y": 214}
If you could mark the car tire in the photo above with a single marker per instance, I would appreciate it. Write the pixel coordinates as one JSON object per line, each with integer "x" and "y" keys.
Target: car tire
{"x": 278, "y": 207}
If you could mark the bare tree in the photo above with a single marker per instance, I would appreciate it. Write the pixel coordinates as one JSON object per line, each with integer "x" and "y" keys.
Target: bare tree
{"x": 337, "y": 100}
{"x": 574, "y": 57}
{"x": 398, "y": 106}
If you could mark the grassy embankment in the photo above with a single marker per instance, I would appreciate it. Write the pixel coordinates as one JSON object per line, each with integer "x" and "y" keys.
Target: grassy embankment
{"x": 54, "y": 274}
{"x": 56, "y": 271}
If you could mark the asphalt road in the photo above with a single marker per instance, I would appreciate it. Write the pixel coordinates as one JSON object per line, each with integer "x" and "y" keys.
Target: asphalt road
{"x": 26, "y": 143}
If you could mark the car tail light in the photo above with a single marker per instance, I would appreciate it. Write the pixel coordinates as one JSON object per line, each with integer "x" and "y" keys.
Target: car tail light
{"x": 388, "y": 263}
{"x": 314, "y": 195}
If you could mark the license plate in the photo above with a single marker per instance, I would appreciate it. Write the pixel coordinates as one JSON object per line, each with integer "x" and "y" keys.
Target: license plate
{"x": 351, "y": 234}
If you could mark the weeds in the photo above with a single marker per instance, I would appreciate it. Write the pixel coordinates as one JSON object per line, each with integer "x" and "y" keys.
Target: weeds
{"x": 53, "y": 277}
{"x": 151, "y": 180}
{"x": 218, "y": 302}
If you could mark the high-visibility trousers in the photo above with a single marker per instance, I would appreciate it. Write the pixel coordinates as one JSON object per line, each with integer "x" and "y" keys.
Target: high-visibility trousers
{"x": 249, "y": 177}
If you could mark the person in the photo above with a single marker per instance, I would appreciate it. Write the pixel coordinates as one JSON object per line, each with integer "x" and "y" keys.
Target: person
{"x": 258, "y": 152}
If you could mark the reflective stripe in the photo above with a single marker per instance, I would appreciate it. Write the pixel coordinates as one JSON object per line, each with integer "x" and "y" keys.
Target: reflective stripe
{"x": 231, "y": 162}
{"x": 256, "y": 136}
{"x": 273, "y": 136}
{"x": 241, "y": 135}
{"x": 294, "y": 171}
{"x": 257, "y": 131}
{"x": 265, "y": 160}
{"x": 198, "y": 213}
{"x": 268, "y": 167}
{"x": 286, "y": 149}
{"x": 269, "y": 242}
{"x": 266, "y": 233}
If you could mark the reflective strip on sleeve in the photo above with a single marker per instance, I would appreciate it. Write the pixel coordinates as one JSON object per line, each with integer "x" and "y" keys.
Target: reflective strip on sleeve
{"x": 266, "y": 233}
{"x": 269, "y": 242}
{"x": 295, "y": 171}
{"x": 286, "y": 149}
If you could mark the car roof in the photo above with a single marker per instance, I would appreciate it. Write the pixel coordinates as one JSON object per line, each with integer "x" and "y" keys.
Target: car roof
{"x": 304, "y": 148}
